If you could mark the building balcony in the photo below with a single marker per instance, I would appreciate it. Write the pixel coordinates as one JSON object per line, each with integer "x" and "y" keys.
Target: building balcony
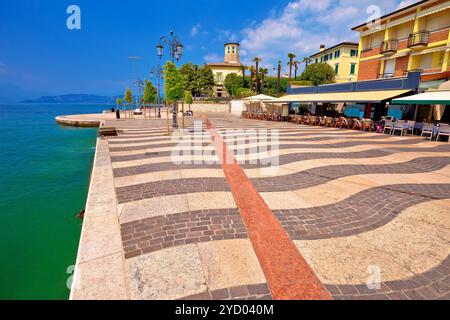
{"x": 418, "y": 39}
{"x": 389, "y": 47}
{"x": 385, "y": 75}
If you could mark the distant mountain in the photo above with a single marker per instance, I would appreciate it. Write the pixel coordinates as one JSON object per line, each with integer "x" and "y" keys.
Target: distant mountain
{"x": 72, "y": 98}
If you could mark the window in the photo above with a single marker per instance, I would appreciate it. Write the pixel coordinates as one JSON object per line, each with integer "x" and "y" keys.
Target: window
{"x": 233, "y": 50}
{"x": 336, "y": 68}
{"x": 352, "y": 68}
{"x": 317, "y": 60}
{"x": 219, "y": 77}
{"x": 337, "y": 54}
{"x": 330, "y": 56}
{"x": 321, "y": 59}
{"x": 353, "y": 53}
{"x": 325, "y": 58}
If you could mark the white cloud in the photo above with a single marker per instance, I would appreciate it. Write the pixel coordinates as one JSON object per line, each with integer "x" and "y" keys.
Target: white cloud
{"x": 406, "y": 3}
{"x": 212, "y": 57}
{"x": 226, "y": 35}
{"x": 302, "y": 25}
{"x": 195, "y": 30}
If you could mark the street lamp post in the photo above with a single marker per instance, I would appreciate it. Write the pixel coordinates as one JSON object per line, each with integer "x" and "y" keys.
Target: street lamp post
{"x": 176, "y": 51}
{"x": 159, "y": 72}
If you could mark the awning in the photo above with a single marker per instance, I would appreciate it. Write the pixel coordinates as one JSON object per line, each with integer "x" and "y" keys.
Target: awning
{"x": 431, "y": 97}
{"x": 354, "y": 96}
{"x": 259, "y": 97}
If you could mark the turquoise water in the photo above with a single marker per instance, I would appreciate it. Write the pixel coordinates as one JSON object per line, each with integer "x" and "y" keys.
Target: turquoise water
{"x": 44, "y": 172}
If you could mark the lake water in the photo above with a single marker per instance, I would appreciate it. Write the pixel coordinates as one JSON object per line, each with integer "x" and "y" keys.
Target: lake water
{"x": 44, "y": 172}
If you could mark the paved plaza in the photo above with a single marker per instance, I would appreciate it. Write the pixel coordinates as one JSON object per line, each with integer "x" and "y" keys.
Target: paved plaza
{"x": 343, "y": 214}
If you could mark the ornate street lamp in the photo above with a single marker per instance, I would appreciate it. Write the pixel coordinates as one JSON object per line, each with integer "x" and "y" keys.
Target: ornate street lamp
{"x": 176, "y": 52}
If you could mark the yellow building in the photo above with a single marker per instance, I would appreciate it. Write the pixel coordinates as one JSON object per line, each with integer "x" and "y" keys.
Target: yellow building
{"x": 231, "y": 64}
{"x": 343, "y": 58}
{"x": 416, "y": 37}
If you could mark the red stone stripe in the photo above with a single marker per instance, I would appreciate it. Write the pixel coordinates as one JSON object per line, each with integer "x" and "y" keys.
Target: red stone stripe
{"x": 287, "y": 273}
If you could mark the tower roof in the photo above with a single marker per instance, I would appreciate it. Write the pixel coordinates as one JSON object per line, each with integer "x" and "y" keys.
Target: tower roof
{"x": 235, "y": 43}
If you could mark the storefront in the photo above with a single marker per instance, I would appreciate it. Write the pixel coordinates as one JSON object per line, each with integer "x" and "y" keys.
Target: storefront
{"x": 362, "y": 99}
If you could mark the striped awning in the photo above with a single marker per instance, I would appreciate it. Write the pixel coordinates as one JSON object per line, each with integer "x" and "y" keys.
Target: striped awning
{"x": 354, "y": 96}
{"x": 431, "y": 97}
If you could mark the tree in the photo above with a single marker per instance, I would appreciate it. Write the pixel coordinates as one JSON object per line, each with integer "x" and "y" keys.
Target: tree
{"x": 150, "y": 93}
{"x": 191, "y": 73}
{"x": 173, "y": 87}
{"x": 188, "y": 98}
{"x": 291, "y": 57}
{"x": 257, "y": 60}
{"x": 206, "y": 80}
{"x": 119, "y": 102}
{"x": 129, "y": 99}
{"x": 128, "y": 96}
{"x": 243, "y": 68}
{"x": 232, "y": 83}
{"x": 296, "y": 64}
{"x": 252, "y": 74}
{"x": 264, "y": 72}
{"x": 174, "y": 83}
{"x": 278, "y": 77}
{"x": 319, "y": 73}
{"x": 244, "y": 93}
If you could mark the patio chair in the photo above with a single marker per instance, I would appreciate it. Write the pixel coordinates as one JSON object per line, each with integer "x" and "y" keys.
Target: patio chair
{"x": 401, "y": 126}
{"x": 328, "y": 122}
{"x": 356, "y": 124}
{"x": 444, "y": 130}
{"x": 321, "y": 121}
{"x": 410, "y": 127}
{"x": 307, "y": 120}
{"x": 388, "y": 125}
{"x": 343, "y": 123}
{"x": 367, "y": 124}
{"x": 427, "y": 129}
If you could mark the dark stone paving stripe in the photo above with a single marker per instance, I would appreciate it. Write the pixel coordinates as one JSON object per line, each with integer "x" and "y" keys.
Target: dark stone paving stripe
{"x": 159, "y": 139}
{"x": 431, "y": 285}
{"x": 316, "y": 176}
{"x": 153, "y": 146}
{"x": 170, "y": 187}
{"x": 362, "y": 212}
{"x": 246, "y": 292}
{"x": 283, "y": 159}
{"x": 159, "y": 167}
{"x": 374, "y": 153}
{"x": 157, "y": 233}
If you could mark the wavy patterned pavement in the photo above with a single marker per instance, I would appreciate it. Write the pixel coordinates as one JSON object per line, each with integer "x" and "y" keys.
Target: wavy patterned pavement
{"x": 343, "y": 209}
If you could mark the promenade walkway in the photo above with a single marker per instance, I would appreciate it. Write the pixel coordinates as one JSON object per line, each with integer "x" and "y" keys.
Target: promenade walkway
{"x": 344, "y": 215}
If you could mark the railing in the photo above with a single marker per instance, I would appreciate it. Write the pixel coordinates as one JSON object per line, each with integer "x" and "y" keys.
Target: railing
{"x": 385, "y": 75}
{"x": 417, "y": 39}
{"x": 389, "y": 46}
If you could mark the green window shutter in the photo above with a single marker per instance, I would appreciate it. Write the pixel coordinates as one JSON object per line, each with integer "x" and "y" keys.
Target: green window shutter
{"x": 336, "y": 68}
{"x": 352, "y": 68}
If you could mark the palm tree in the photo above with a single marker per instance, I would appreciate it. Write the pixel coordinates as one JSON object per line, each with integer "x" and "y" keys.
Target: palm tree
{"x": 279, "y": 77}
{"x": 252, "y": 73}
{"x": 306, "y": 61}
{"x": 296, "y": 65}
{"x": 243, "y": 68}
{"x": 257, "y": 60}
{"x": 291, "y": 57}
{"x": 264, "y": 72}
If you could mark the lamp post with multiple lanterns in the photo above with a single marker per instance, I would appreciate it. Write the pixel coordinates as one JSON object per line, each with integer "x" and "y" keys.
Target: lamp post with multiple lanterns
{"x": 175, "y": 51}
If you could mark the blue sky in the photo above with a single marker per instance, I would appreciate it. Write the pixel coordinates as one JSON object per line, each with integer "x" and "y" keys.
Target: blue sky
{"x": 40, "y": 56}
